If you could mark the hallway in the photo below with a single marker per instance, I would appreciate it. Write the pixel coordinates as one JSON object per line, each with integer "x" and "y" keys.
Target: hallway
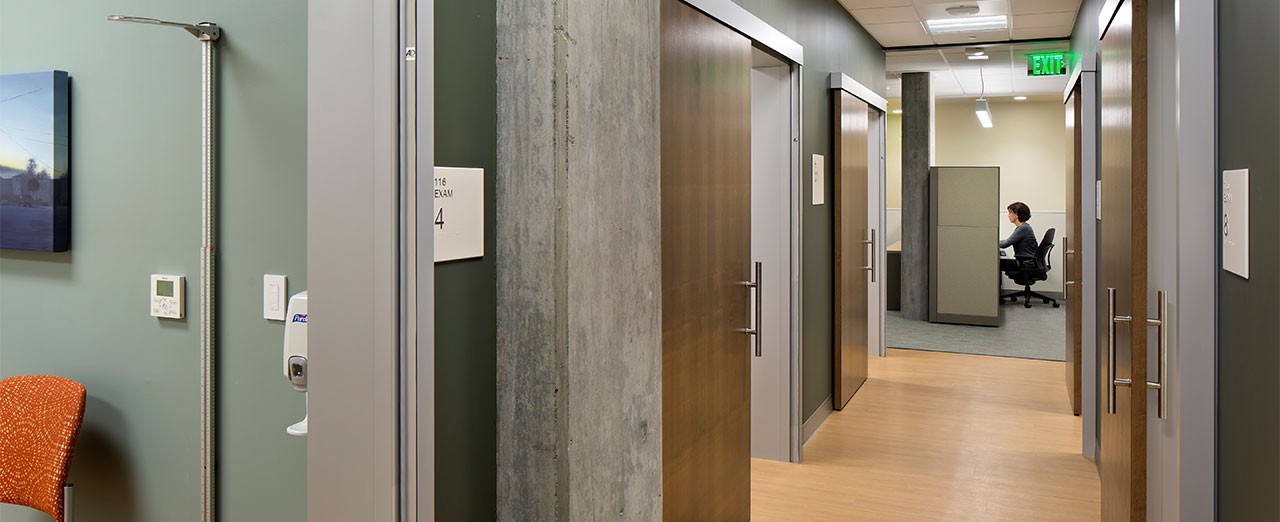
{"x": 938, "y": 436}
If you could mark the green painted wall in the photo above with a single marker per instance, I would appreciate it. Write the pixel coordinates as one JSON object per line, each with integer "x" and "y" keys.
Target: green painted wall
{"x": 1248, "y": 353}
{"x": 135, "y": 172}
{"x": 833, "y": 42}
{"x": 466, "y": 291}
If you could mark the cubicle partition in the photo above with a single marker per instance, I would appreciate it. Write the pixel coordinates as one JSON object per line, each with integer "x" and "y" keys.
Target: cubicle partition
{"x": 964, "y": 277}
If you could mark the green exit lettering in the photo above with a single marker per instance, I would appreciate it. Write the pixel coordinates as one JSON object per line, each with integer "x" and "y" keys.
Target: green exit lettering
{"x": 1047, "y": 64}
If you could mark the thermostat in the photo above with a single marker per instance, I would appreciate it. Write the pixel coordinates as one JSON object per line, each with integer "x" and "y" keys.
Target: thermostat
{"x": 166, "y": 296}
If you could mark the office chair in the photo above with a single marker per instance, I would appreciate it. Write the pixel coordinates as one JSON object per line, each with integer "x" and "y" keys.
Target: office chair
{"x": 1030, "y": 271}
{"x": 40, "y": 417}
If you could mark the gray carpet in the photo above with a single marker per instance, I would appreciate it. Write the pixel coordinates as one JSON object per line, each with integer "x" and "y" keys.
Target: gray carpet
{"x": 1035, "y": 333}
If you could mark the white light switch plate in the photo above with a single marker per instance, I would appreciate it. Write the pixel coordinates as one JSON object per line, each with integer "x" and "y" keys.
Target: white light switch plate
{"x": 819, "y": 179}
{"x": 274, "y": 290}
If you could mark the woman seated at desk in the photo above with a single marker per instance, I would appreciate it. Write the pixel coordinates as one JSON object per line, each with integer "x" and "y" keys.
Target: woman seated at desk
{"x": 1023, "y": 239}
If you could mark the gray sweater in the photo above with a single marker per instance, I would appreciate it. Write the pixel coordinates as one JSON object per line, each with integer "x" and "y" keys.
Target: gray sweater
{"x": 1023, "y": 241}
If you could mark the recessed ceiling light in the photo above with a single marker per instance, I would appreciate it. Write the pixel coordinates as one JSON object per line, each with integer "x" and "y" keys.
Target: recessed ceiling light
{"x": 962, "y": 10}
{"x": 897, "y": 111}
{"x": 968, "y": 24}
{"x": 979, "y": 57}
{"x": 1020, "y": 98}
{"x": 973, "y": 37}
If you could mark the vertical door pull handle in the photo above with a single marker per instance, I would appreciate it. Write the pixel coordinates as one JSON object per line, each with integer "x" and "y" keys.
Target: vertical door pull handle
{"x": 754, "y": 331}
{"x": 871, "y": 267}
{"x": 1112, "y": 322}
{"x": 1161, "y": 322}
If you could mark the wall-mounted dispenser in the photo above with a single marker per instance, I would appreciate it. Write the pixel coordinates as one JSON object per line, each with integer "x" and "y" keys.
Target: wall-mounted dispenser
{"x": 295, "y": 353}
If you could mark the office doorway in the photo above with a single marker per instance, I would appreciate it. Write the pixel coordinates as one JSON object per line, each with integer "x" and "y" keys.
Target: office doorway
{"x": 775, "y": 362}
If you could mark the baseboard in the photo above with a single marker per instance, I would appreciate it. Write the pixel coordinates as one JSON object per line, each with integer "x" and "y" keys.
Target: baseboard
{"x": 815, "y": 421}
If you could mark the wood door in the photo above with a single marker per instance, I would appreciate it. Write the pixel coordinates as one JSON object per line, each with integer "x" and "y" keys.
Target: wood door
{"x": 1071, "y": 244}
{"x": 706, "y": 248}
{"x": 852, "y": 246}
{"x": 1123, "y": 455}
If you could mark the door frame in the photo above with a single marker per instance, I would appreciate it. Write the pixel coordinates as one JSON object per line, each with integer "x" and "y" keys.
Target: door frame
{"x": 1184, "y": 445}
{"x": 1086, "y": 77}
{"x": 876, "y": 218}
{"x": 370, "y": 447}
{"x": 791, "y": 53}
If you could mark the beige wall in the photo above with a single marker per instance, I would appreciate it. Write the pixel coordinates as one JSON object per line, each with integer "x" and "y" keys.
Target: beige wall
{"x": 1027, "y": 142}
{"x": 893, "y": 161}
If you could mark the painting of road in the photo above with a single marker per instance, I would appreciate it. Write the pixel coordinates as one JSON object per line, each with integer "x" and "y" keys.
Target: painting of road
{"x": 35, "y": 185}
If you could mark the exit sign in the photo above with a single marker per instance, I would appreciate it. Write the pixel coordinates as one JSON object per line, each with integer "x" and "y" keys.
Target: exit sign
{"x": 1047, "y": 64}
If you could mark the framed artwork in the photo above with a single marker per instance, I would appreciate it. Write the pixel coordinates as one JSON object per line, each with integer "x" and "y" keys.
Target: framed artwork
{"x": 35, "y": 182}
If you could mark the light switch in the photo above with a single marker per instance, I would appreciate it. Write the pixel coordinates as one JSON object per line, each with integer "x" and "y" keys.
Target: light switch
{"x": 819, "y": 172}
{"x": 274, "y": 288}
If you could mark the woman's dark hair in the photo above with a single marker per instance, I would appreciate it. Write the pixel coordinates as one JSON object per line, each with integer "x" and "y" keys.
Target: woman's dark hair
{"x": 1022, "y": 210}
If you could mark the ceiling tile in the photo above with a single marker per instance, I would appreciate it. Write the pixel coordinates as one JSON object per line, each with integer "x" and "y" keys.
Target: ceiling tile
{"x": 1044, "y": 6}
{"x": 930, "y": 10}
{"x": 1004, "y": 74}
{"x": 1035, "y": 21}
{"x": 1041, "y": 84}
{"x": 914, "y": 62}
{"x": 1041, "y": 32}
{"x": 899, "y": 34}
{"x": 1025, "y": 48}
{"x": 957, "y": 39}
{"x": 874, "y": 4}
{"x": 958, "y": 58}
{"x": 885, "y": 15}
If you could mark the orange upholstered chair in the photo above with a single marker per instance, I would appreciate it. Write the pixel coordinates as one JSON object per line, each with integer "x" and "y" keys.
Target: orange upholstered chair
{"x": 40, "y": 418}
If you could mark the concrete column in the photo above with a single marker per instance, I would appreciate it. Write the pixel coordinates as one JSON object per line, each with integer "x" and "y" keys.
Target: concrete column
{"x": 917, "y": 156}
{"x": 579, "y": 261}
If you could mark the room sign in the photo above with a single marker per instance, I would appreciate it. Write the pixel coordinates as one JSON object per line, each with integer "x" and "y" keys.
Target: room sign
{"x": 1047, "y": 64}
{"x": 458, "y": 217}
{"x": 1235, "y": 222}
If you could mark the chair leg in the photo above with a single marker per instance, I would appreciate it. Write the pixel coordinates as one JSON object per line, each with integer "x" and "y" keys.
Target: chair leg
{"x": 68, "y": 495}
{"x": 1044, "y": 298}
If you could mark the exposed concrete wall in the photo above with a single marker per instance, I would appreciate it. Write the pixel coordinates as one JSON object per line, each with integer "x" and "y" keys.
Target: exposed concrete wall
{"x": 578, "y": 247}
{"x": 917, "y": 151}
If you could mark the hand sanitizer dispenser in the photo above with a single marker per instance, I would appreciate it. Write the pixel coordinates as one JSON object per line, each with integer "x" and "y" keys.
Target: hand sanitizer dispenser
{"x": 295, "y": 353}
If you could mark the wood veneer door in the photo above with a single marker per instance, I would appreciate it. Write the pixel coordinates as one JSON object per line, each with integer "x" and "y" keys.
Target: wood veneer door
{"x": 1071, "y": 245}
{"x": 1123, "y": 149}
{"x": 706, "y": 252}
{"x": 852, "y": 250}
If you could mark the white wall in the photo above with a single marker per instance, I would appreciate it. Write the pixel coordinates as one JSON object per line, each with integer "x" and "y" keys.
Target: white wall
{"x": 1028, "y": 142}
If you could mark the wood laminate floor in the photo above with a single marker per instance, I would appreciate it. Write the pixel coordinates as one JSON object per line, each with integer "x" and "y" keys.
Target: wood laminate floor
{"x": 940, "y": 437}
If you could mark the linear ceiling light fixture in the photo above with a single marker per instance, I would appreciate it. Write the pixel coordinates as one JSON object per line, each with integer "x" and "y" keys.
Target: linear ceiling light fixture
{"x": 981, "y": 108}
{"x": 967, "y": 24}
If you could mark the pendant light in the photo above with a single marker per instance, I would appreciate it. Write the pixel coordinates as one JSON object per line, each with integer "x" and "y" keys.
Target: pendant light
{"x": 981, "y": 108}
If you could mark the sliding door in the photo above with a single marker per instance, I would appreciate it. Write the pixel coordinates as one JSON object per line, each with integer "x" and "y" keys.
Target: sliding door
{"x": 854, "y": 246}
{"x": 1072, "y": 274}
{"x": 1123, "y": 71}
{"x": 706, "y": 257}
